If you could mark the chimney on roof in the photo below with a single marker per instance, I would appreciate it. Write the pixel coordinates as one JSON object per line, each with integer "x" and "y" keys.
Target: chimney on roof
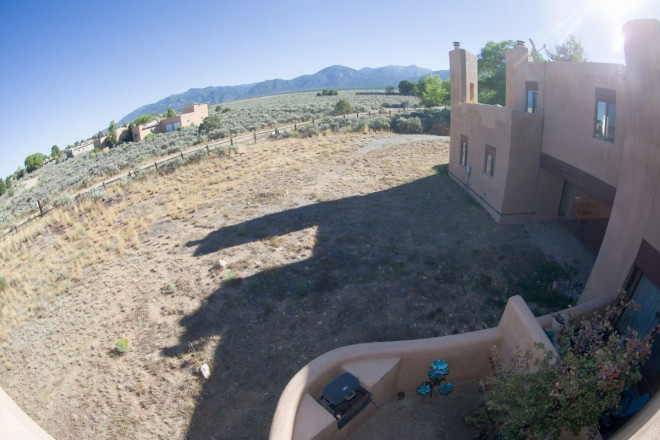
{"x": 457, "y": 45}
{"x": 520, "y": 43}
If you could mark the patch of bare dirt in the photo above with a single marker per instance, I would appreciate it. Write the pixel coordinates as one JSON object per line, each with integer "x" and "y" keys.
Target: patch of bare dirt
{"x": 255, "y": 265}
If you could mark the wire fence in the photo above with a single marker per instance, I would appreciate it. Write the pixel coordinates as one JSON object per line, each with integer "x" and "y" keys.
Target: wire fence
{"x": 223, "y": 147}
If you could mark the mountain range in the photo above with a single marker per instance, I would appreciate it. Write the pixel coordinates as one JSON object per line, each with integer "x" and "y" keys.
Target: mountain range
{"x": 333, "y": 77}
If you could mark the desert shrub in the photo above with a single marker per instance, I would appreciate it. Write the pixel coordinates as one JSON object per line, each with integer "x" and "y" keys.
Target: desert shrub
{"x": 121, "y": 346}
{"x": 63, "y": 199}
{"x": 428, "y": 118}
{"x": 380, "y": 124}
{"x": 343, "y": 107}
{"x": 308, "y": 130}
{"x": 218, "y": 133}
{"x": 3, "y": 284}
{"x": 98, "y": 194}
{"x": 404, "y": 125}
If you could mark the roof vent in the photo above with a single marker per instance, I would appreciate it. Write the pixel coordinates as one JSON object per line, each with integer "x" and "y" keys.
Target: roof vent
{"x": 457, "y": 45}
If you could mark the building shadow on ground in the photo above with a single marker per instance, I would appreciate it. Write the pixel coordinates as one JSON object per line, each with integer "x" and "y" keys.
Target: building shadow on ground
{"x": 370, "y": 264}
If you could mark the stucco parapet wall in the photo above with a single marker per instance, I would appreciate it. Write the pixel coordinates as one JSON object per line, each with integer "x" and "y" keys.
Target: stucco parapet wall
{"x": 385, "y": 368}
{"x": 15, "y": 424}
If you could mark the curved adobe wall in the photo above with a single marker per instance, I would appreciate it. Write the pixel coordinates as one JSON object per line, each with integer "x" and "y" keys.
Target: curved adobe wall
{"x": 388, "y": 367}
{"x": 15, "y": 424}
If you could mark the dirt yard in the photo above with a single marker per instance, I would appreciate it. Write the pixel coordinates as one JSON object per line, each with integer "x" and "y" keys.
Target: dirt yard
{"x": 255, "y": 265}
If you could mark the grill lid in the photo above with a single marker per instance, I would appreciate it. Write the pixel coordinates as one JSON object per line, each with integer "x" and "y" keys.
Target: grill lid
{"x": 341, "y": 389}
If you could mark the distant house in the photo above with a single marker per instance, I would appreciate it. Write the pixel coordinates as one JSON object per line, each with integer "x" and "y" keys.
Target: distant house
{"x": 80, "y": 148}
{"x": 191, "y": 114}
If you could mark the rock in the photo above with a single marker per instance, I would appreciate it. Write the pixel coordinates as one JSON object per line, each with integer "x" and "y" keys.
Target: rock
{"x": 205, "y": 371}
{"x": 222, "y": 263}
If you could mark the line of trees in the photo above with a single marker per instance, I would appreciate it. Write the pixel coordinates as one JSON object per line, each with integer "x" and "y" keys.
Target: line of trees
{"x": 430, "y": 89}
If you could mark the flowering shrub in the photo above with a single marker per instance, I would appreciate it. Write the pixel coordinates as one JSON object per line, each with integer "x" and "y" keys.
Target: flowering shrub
{"x": 535, "y": 398}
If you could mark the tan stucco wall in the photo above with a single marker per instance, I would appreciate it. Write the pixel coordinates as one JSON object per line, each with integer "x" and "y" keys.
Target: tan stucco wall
{"x": 15, "y": 424}
{"x": 569, "y": 115}
{"x": 636, "y": 207}
{"x": 388, "y": 367}
{"x": 522, "y": 166}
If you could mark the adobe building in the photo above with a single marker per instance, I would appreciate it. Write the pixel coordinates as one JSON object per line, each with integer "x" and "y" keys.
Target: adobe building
{"x": 575, "y": 141}
{"x": 192, "y": 114}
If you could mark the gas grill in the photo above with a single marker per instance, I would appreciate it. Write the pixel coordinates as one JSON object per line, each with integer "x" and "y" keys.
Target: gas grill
{"x": 344, "y": 398}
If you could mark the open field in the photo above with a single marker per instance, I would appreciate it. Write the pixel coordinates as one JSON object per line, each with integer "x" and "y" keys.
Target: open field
{"x": 255, "y": 265}
{"x": 238, "y": 117}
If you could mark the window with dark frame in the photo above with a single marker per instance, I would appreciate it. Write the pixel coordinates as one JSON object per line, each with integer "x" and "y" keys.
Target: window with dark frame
{"x": 605, "y": 114}
{"x": 532, "y": 92}
{"x": 489, "y": 161}
{"x": 464, "y": 151}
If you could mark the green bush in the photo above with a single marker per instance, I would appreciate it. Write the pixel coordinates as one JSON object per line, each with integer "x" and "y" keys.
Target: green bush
{"x": 121, "y": 346}
{"x": 380, "y": 124}
{"x": 411, "y": 125}
{"x": 343, "y": 107}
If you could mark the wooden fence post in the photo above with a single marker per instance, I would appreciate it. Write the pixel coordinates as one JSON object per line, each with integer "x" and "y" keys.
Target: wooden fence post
{"x": 41, "y": 208}
{"x": 390, "y": 112}
{"x": 231, "y": 139}
{"x": 182, "y": 155}
{"x": 313, "y": 121}
{"x": 295, "y": 127}
{"x": 208, "y": 152}
{"x": 156, "y": 165}
{"x": 255, "y": 137}
{"x": 344, "y": 117}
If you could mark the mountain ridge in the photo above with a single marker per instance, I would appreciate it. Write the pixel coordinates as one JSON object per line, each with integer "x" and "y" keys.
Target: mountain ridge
{"x": 331, "y": 77}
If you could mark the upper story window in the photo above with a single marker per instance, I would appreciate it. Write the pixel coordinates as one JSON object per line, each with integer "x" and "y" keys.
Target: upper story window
{"x": 532, "y": 89}
{"x": 489, "y": 161}
{"x": 464, "y": 151}
{"x": 605, "y": 114}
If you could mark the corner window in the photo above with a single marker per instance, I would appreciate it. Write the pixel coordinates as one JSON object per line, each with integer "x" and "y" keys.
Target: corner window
{"x": 605, "y": 114}
{"x": 532, "y": 88}
{"x": 464, "y": 151}
{"x": 489, "y": 161}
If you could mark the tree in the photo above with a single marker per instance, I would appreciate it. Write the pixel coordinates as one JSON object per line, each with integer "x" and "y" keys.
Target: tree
{"x": 3, "y": 187}
{"x": 55, "y": 152}
{"x": 343, "y": 107}
{"x": 170, "y": 113}
{"x": 143, "y": 119}
{"x": 405, "y": 87}
{"x": 432, "y": 91}
{"x": 389, "y": 90}
{"x": 210, "y": 123}
{"x": 112, "y": 133}
{"x": 34, "y": 161}
{"x": 569, "y": 50}
{"x": 492, "y": 72}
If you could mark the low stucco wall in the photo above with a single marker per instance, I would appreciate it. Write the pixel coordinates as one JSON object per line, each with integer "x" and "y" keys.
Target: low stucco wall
{"x": 388, "y": 367}
{"x": 15, "y": 424}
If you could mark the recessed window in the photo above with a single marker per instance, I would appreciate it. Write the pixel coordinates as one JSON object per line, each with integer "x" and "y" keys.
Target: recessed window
{"x": 532, "y": 88}
{"x": 489, "y": 161}
{"x": 464, "y": 151}
{"x": 605, "y": 114}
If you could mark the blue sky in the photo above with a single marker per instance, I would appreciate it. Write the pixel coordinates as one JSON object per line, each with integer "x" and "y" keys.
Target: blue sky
{"x": 67, "y": 68}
